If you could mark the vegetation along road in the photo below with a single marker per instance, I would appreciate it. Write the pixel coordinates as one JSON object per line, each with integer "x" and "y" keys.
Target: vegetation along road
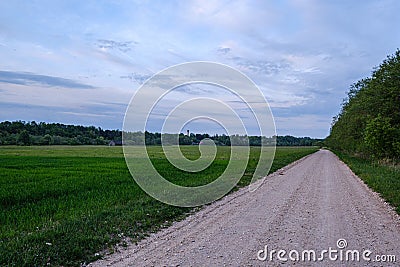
{"x": 313, "y": 205}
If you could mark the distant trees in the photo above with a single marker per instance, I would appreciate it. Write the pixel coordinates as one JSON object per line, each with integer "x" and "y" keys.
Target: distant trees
{"x": 369, "y": 121}
{"x": 225, "y": 140}
{"x": 24, "y": 138}
{"x": 32, "y": 133}
{"x": 47, "y": 139}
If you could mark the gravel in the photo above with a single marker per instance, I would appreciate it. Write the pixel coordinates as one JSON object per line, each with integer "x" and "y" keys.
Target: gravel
{"x": 308, "y": 205}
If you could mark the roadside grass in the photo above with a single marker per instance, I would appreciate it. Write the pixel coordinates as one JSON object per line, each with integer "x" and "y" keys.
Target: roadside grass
{"x": 383, "y": 179}
{"x": 61, "y": 205}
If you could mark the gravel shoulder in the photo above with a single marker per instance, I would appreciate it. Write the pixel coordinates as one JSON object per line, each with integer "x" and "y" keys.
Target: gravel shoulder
{"x": 308, "y": 205}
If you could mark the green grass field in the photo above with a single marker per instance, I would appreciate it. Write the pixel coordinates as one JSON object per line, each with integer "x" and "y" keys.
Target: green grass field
{"x": 381, "y": 178}
{"x": 61, "y": 205}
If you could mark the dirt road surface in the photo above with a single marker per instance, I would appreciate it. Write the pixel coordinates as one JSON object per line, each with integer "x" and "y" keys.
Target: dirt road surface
{"x": 308, "y": 205}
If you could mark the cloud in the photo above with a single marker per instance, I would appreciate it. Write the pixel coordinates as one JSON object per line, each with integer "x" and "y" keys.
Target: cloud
{"x": 27, "y": 78}
{"x": 261, "y": 66}
{"x": 304, "y": 125}
{"x": 32, "y": 113}
{"x": 223, "y": 50}
{"x": 303, "y": 55}
{"x": 111, "y": 44}
{"x": 79, "y": 114}
{"x": 139, "y": 78}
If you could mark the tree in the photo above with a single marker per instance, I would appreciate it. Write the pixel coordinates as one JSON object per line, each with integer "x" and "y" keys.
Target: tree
{"x": 24, "y": 138}
{"x": 379, "y": 137}
{"x": 47, "y": 139}
{"x": 369, "y": 120}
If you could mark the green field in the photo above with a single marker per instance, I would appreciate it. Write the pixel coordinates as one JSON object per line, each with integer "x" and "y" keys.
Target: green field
{"x": 384, "y": 179}
{"x": 61, "y": 205}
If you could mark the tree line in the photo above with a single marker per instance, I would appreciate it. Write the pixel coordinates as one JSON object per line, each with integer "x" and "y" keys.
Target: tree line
{"x": 42, "y": 133}
{"x": 33, "y": 133}
{"x": 369, "y": 121}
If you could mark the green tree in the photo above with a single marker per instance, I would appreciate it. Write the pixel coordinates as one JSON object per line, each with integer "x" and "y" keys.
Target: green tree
{"x": 24, "y": 138}
{"x": 380, "y": 136}
{"x": 47, "y": 139}
{"x": 369, "y": 121}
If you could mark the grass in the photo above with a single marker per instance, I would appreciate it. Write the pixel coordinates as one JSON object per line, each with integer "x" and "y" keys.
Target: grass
{"x": 383, "y": 179}
{"x": 61, "y": 205}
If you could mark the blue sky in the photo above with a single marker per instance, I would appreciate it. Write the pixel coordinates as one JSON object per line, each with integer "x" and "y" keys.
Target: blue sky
{"x": 80, "y": 62}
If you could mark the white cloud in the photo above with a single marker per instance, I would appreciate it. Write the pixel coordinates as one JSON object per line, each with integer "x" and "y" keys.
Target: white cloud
{"x": 302, "y": 54}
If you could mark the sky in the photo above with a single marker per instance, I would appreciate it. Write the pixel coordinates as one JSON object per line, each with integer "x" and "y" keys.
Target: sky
{"x": 80, "y": 62}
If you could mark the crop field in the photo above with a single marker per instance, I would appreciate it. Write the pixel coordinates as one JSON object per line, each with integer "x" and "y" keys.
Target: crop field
{"x": 68, "y": 205}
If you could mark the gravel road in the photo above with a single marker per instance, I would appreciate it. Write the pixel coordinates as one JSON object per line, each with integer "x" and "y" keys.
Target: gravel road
{"x": 308, "y": 205}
